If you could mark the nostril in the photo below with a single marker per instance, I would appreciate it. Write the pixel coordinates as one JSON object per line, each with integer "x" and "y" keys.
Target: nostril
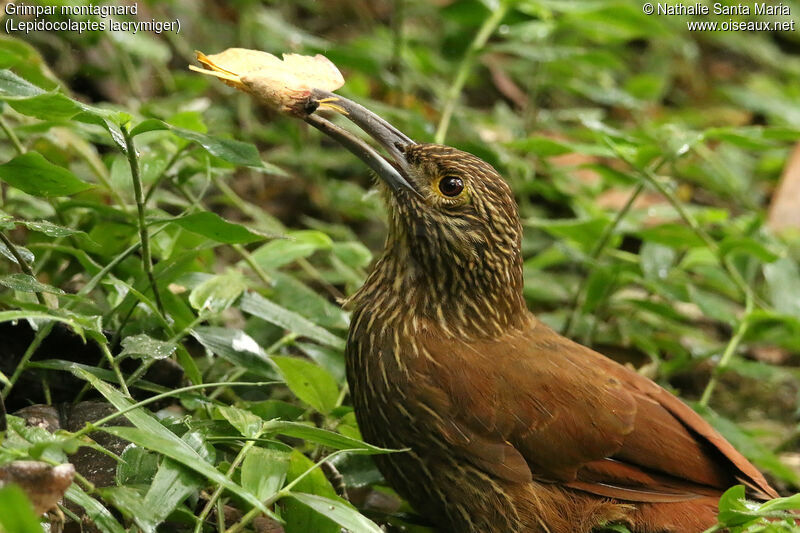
{"x": 400, "y": 147}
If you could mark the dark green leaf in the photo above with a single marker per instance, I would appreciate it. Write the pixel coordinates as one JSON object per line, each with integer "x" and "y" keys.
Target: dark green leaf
{"x": 215, "y": 227}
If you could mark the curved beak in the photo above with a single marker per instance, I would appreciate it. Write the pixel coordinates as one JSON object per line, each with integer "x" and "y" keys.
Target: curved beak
{"x": 392, "y": 170}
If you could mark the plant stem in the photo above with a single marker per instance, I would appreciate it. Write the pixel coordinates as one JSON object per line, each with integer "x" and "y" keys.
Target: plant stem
{"x": 248, "y": 258}
{"x": 215, "y": 496}
{"x": 12, "y": 137}
{"x": 147, "y": 261}
{"x": 163, "y": 174}
{"x": 485, "y": 31}
{"x": 730, "y": 349}
{"x": 597, "y": 251}
{"x": 26, "y": 357}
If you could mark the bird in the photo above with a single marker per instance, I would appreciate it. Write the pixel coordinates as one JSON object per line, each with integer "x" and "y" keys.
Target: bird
{"x": 507, "y": 425}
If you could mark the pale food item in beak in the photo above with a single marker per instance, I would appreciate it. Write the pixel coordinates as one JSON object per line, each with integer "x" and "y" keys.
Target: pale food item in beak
{"x": 284, "y": 85}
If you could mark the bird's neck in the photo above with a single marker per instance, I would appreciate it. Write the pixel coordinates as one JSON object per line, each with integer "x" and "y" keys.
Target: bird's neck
{"x": 467, "y": 298}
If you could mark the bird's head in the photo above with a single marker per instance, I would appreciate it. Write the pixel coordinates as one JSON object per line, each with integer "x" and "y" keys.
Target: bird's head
{"x": 454, "y": 231}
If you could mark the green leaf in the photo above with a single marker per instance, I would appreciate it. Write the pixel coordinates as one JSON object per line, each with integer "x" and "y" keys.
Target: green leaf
{"x": 783, "y": 280}
{"x": 674, "y": 235}
{"x": 732, "y": 508}
{"x": 12, "y": 85}
{"x": 237, "y": 347}
{"x": 150, "y": 124}
{"x": 236, "y": 152}
{"x": 31, "y": 100}
{"x": 585, "y": 232}
{"x": 264, "y": 471}
{"x": 341, "y": 513}
{"x": 26, "y": 283}
{"x": 78, "y": 323}
{"x": 749, "y": 246}
{"x": 128, "y": 500}
{"x": 296, "y": 245}
{"x": 35, "y": 175}
{"x": 99, "y": 515}
{"x": 293, "y": 294}
{"x": 257, "y": 305}
{"x": 172, "y": 484}
{"x": 245, "y": 422}
{"x": 218, "y": 292}
{"x": 26, "y": 254}
{"x": 215, "y": 227}
{"x": 48, "y": 228}
{"x": 230, "y": 150}
{"x": 353, "y": 254}
{"x": 322, "y": 436}
{"x": 309, "y": 382}
{"x": 137, "y": 466}
{"x": 145, "y": 347}
{"x": 151, "y": 434}
{"x": 656, "y": 260}
{"x": 16, "y": 511}
{"x": 781, "y": 504}
{"x": 298, "y": 517}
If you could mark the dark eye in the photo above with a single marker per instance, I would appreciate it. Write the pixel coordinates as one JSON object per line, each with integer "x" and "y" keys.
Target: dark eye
{"x": 451, "y": 186}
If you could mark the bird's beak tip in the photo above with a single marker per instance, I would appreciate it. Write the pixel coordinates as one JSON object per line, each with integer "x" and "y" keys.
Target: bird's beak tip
{"x": 393, "y": 171}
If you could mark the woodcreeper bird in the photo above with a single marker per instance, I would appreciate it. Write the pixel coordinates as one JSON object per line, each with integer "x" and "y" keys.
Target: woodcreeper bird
{"x": 510, "y": 427}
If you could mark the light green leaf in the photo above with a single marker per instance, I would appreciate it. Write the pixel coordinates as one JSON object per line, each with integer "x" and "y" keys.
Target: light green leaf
{"x": 341, "y": 513}
{"x": 296, "y": 245}
{"x": 309, "y": 382}
{"x": 16, "y": 511}
{"x": 100, "y": 516}
{"x": 257, "y": 305}
{"x": 237, "y": 347}
{"x": 245, "y": 422}
{"x": 48, "y": 228}
{"x": 35, "y": 175}
{"x": 26, "y": 283}
{"x": 322, "y": 436}
{"x": 218, "y": 292}
{"x": 145, "y": 347}
{"x": 783, "y": 280}
{"x": 264, "y": 471}
{"x": 172, "y": 484}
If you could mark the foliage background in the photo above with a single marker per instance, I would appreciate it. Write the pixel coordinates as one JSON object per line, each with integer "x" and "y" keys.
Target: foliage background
{"x": 644, "y": 159}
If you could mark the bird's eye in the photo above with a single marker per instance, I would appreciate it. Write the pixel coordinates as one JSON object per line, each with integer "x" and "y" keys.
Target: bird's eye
{"x": 451, "y": 186}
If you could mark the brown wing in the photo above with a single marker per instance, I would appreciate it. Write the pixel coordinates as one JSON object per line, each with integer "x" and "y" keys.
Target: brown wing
{"x": 534, "y": 404}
